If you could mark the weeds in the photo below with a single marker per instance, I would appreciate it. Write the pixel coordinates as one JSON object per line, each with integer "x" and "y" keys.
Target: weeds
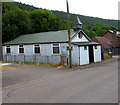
{"x": 33, "y": 63}
{"x": 107, "y": 56}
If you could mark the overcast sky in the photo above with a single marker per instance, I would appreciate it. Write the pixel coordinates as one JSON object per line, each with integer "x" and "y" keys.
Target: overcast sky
{"x": 107, "y": 9}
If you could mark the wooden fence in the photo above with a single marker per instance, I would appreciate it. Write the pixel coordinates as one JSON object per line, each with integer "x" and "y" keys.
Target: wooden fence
{"x": 36, "y": 59}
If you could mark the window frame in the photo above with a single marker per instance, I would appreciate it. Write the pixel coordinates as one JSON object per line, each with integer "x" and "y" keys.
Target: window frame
{"x": 80, "y": 36}
{"x": 56, "y": 46}
{"x": 34, "y": 46}
{"x": 85, "y": 47}
{"x": 95, "y": 46}
{"x": 19, "y": 46}
{"x": 8, "y": 48}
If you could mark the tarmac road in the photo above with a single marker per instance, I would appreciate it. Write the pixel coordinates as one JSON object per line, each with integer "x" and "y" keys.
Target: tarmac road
{"x": 98, "y": 84}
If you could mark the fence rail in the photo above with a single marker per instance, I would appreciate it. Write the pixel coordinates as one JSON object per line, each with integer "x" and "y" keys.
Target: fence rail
{"x": 35, "y": 58}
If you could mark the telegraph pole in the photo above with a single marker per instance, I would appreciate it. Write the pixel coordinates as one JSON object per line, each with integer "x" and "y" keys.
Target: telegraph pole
{"x": 1, "y": 53}
{"x": 69, "y": 38}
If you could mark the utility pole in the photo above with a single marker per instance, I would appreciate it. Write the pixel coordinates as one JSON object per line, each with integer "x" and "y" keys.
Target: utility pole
{"x": 1, "y": 53}
{"x": 69, "y": 38}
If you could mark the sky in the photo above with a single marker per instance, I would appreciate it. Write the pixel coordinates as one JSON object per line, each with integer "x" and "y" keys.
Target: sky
{"x": 106, "y": 9}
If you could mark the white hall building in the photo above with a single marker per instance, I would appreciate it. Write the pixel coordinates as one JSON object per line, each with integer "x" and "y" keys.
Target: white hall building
{"x": 51, "y": 47}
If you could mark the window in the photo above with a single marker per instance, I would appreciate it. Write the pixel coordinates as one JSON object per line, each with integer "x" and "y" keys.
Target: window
{"x": 8, "y": 50}
{"x": 95, "y": 46}
{"x": 37, "y": 49}
{"x": 56, "y": 49}
{"x": 21, "y": 49}
{"x": 80, "y": 35}
{"x": 85, "y": 47}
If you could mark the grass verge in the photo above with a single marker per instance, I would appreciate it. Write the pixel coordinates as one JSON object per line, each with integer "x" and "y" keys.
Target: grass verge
{"x": 32, "y": 63}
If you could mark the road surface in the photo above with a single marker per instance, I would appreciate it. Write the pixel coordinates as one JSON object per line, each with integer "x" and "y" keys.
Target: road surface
{"x": 98, "y": 84}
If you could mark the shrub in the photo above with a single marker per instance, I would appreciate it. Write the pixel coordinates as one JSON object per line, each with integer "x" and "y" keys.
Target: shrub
{"x": 107, "y": 56}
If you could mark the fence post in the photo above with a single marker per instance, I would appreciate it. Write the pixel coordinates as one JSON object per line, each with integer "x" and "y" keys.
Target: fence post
{"x": 47, "y": 59}
{"x": 6, "y": 58}
{"x": 34, "y": 58}
{"x": 15, "y": 58}
{"x": 24, "y": 58}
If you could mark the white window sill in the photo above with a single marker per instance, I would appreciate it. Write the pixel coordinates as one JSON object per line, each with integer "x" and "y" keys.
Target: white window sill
{"x": 21, "y": 54}
{"x": 8, "y": 54}
{"x": 56, "y": 54}
{"x": 37, "y": 54}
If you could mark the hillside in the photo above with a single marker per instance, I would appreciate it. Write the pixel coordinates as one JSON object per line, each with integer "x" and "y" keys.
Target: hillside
{"x": 25, "y": 6}
{"x": 19, "y": 19}
{"x": 86, "y": 20}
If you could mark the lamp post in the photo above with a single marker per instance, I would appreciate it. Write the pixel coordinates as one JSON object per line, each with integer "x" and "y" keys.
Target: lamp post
{"x": 69, "y": 39}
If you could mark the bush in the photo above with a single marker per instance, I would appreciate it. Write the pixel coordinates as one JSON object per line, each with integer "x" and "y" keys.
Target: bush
{"x": 107, "y": 56}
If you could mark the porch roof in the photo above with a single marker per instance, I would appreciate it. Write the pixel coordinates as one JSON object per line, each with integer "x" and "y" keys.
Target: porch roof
{"x": 85, "y": 43}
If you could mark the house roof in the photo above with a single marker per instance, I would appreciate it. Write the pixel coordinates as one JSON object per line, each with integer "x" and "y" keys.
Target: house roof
{"x": 109, "y": 39}
{"x": 43, "y": 37}
{"x": 106, "y": 43}
{"x": 113, "y": 36}
{"x": 85, "y": 43}
{"x": 117, "y": 32}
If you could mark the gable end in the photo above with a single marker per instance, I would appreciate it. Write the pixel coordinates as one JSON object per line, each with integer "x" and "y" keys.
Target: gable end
{"x": 80, "y": 36}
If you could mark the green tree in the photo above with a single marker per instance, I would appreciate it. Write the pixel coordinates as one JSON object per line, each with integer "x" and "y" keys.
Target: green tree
{"x": 15, "y": 22}
{"x": 39, "y": 20}
{"x": 6, "y": 6}
{"x": 54, "y": 22}
{"x": 98, "y": 29}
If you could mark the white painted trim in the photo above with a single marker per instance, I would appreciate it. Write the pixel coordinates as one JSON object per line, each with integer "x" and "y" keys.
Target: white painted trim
{"x": 18, "y": 49}
{"x": 82, "y": 39}
{"x": 24, "y": 50}
{"x": 84, "y": 34}
{"x": 59, "y": 49}
{"x": 52, "y": 48}
{"x": 6, "y": 50}
{"x": 34, "y": 49}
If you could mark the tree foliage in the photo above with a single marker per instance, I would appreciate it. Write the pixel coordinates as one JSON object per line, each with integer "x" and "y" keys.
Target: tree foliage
{"x": 15, "y": 23}
{"x": 19, "y": 19}
{"x": 43, "y": 20}
{"x": 98, "y": 29}
{"x": 87, "y": 20}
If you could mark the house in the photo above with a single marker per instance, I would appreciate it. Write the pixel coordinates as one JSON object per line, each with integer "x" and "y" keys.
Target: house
{"x": 51, "y": 47}
{"x": 110, "y": 42}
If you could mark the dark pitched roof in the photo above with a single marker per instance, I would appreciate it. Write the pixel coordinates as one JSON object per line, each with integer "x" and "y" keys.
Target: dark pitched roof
{"x": 113, "y": 37}
{"x": 109, "y": 39}
{"x": 106, "y": 43}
